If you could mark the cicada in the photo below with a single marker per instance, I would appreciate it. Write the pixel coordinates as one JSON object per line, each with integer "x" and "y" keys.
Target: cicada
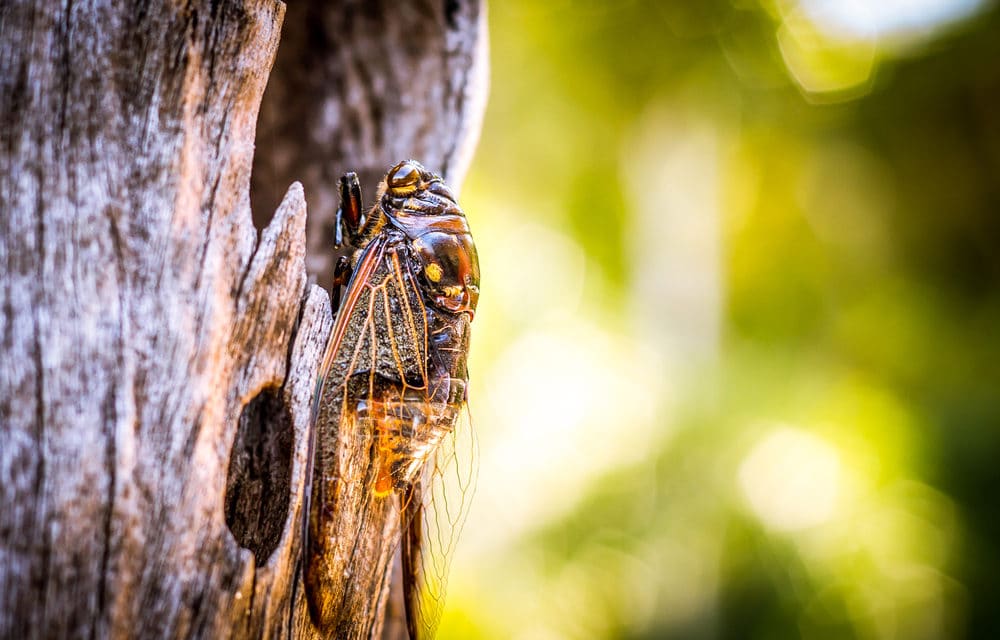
{"x": 393, "y": 451}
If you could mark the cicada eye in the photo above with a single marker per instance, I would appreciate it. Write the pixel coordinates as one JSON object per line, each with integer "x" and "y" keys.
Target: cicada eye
{"x": 403, "y": 178}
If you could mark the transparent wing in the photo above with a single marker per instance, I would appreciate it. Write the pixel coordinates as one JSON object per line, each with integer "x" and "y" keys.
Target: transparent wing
{"x": 435, "y": 514}
{"x": 341, "y": 511}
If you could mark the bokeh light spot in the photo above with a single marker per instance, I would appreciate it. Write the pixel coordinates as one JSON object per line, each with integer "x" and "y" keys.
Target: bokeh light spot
{"x": 791, "y": 479}
{"x": 840, "y": 69}
{"x": 886, "y": 18}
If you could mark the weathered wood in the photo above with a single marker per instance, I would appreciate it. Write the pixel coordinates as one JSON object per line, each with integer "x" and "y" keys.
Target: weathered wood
{"x": 359, "y": 85}
{"x": 158, "y": 359}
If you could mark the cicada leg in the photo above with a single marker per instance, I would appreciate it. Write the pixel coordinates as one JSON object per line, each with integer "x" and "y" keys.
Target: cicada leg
{"x": 341, "y": 276}
{"x": 350, "y": 215}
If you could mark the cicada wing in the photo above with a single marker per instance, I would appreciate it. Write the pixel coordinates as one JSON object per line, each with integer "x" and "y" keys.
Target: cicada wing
{"x": 369, "y": 403}
{"x": 333, "y": 478}
{"x": 435, "y": 510}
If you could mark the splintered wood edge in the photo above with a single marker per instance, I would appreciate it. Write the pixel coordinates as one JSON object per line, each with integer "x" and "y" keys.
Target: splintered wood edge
{"x": 270, "y": 296}
{"x": 274, "y": 583}
{"x": 276, "y": 307}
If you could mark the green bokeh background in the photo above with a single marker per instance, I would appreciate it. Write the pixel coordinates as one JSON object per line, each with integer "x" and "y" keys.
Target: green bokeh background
{"x": 735, "y": 371}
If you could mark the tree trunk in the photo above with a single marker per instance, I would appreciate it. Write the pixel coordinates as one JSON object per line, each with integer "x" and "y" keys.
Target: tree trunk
{"x": 158, "y": 358}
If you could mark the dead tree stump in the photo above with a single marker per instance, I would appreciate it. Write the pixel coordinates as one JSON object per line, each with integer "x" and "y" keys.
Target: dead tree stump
{"x": 157, "y": 357}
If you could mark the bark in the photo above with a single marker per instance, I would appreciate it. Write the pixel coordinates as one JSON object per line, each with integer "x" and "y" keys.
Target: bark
{"x": 158, "y": 357}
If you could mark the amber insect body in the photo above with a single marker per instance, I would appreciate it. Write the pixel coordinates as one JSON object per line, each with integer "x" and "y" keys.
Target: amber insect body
{"x": 394, "y": 448}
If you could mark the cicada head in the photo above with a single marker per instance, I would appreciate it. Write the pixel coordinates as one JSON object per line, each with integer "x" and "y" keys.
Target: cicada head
{"x": 421, "y": 205}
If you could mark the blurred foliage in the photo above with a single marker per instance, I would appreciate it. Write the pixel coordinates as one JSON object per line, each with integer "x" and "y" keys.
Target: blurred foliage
{"x": 737, "y": 359}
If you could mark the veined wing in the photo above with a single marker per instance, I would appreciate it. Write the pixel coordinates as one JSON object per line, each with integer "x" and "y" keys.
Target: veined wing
{"x": 374, "y": 368}
{"x": 436, "y": 510}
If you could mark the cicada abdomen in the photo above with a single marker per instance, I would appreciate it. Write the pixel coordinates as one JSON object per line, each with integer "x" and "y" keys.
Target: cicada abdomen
{"x": 391, "y": 414}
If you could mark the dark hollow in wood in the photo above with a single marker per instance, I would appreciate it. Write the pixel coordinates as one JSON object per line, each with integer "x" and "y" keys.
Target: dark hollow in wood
{"x": 258, "y": 485}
